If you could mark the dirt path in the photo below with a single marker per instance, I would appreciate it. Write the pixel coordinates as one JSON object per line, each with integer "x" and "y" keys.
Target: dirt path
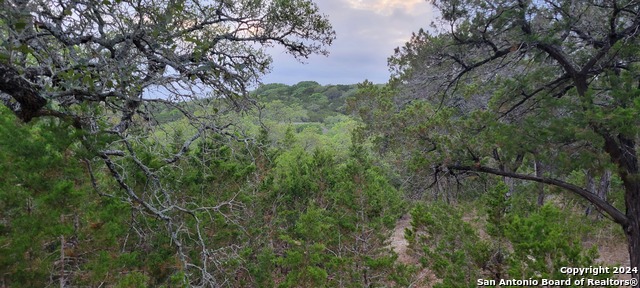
{"x": 424, "y": 278}
{"x": 399, "y": 244}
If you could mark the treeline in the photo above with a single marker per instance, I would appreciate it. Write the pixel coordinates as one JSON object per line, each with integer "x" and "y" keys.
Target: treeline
{"x": 319, "y": 101}
{"x": 306, "y": 101}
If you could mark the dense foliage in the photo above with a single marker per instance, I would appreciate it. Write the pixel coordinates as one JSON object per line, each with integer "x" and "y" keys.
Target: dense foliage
{"x": 282, "y": 212}
{"x": 133, "y": 154}
{"x": 531, "y": 91}
{"x": 305, "y": 204}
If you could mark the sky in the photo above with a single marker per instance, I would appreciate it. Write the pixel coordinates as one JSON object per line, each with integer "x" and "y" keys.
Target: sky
{"x": 367, "y": 31}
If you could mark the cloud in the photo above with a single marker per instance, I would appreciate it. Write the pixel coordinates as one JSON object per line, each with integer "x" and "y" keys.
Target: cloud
{"x": 367, "y": 32}
{"x": 386, "y": 6}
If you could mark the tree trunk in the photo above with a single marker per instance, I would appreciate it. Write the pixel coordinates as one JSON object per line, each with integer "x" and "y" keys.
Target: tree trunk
{"x": 603, "y": 189}
{"x": 62, "y": 244}
{"x": 605, "y": 182}
{"x": 632, "y": 201}
{"x": 634, "y": 250}
{"x": 539, "y": 173}
{"x": 510, "y": 184}
{"x": 26, "y": 94}
{"x": 591, "y": 186}
{"x": 622, "y": 151}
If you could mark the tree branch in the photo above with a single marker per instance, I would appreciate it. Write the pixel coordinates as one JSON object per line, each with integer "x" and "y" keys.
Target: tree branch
{"x": 22, "y": 91}
{"x": 615, "y": 214}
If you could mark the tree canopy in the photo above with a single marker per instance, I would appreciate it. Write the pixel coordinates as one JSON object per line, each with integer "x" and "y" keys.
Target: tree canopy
{"x": 105, "y": 67}
{"x": 500, "y": 85}
{"x": 57, "y": 56}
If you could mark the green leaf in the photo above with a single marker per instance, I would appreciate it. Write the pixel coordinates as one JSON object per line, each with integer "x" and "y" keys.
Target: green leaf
{"x": 24, "y": 49}
{"x": 4, "y": 57}
{"x": 19, "y": 26}
{"x": 87, "y": 79}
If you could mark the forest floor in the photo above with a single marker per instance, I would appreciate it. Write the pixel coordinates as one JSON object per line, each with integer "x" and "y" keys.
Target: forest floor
{"x": 612, "y": 249}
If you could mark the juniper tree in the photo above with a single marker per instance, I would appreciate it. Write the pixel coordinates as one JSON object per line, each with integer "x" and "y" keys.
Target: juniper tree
{"x": 550, "y": 81}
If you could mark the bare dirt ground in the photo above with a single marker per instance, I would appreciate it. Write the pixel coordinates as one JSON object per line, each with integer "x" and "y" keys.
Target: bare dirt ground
{"x": 399, "y": 244}
{"x": 425, "y": 277}
{"x": 612, "y": 248}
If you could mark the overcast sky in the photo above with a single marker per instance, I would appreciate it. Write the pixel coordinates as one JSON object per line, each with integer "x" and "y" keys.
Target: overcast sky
{"x": 367, "y": 32}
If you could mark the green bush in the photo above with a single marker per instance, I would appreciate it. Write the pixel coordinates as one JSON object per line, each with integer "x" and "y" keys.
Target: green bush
{"x": 447, "y": 245}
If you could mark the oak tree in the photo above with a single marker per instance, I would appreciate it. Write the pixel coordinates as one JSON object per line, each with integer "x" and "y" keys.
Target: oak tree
{"x": 107, "y": 66}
